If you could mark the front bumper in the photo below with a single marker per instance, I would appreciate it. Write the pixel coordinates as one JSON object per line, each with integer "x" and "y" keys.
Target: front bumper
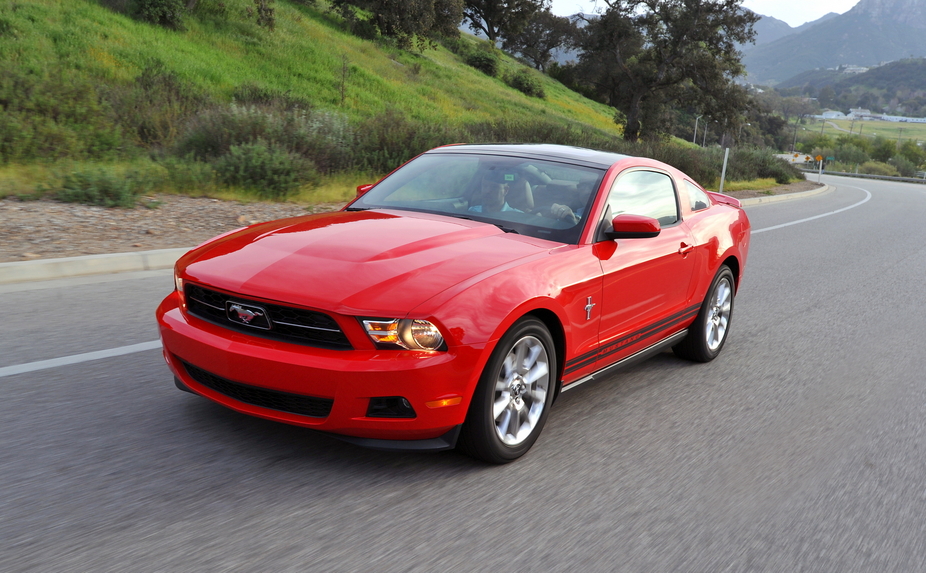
{"x": 345, "y": 379}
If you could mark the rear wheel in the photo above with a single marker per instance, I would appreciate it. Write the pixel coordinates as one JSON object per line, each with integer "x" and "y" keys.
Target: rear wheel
{"x": 708, "y": 332}
{"x": 514, "y": 395}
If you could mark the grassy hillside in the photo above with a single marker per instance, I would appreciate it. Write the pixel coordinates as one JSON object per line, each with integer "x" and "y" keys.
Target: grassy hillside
{"x": 99, "y": 107}
{"x": 308, "y": 55}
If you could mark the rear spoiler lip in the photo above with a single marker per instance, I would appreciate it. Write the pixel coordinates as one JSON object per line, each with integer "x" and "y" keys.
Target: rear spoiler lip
{"x": 725, "y": 199}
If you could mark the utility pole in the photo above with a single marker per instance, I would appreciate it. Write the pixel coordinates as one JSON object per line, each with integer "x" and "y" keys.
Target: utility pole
{"x": 694, "y": 138}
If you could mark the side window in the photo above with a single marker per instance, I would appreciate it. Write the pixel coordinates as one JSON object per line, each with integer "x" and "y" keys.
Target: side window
{"x": 645, "y": 193}
{"x": 697, "y": 197}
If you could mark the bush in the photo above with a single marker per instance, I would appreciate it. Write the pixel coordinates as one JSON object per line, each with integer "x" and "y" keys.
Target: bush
{"x": 167, "y": 13}
{"x": 267, "y": 169}
{"x": 189, "y": 176}
{"x": 484, "y": 61}
{"x": 388, "y": 140}
{"x": 155, "y": 107}
{"x": 255, "y": 94}
{"x": 324, "y": 137}
{"x": 878, "y": 168}
{"x": 53, "y": 114}
{"x": 851, "y": 154}
{"x": 526, "y": 82}
{"x": 103, "y": 187}
{"x": 904, "y": 166}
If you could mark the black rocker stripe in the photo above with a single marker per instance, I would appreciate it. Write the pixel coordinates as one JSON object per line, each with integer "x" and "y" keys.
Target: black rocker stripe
{"x": 594, "y": 353}
{"x": 618, "y": 345}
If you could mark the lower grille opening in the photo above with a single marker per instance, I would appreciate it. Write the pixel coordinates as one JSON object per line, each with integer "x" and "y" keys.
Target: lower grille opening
{"x": 262, "y": 397}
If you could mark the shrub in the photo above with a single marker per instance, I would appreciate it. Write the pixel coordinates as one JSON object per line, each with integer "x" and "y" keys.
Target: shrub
{"x": 457, "y": 45}
{"x": 324, "y": 137}
{"x": 167, "y": 13}
{"x": 389, "y": 139}
{"x": 265, "y": 168}
{"x": 851, "y": 154}
{"x": 189, "y": 176}
{"x": 255, "y": 94}
{"x": 484, "y": 61}
{"x": 103, "y": 187}
{"x": 215, "y": 10}
{"x": 904, "y": 166}
{"x": 53, "y": 114}
{"x": 878, "y": 168}
{"x": 154, "y": 108}
{"x": 526, "y": 82}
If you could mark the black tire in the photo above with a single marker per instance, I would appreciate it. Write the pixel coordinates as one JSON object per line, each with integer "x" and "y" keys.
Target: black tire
{"x": 708, "y": 333}
{"x": 515, "y": 384}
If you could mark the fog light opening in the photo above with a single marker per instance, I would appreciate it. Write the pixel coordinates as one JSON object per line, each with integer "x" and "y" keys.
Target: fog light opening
{"x": 390, "y": 407}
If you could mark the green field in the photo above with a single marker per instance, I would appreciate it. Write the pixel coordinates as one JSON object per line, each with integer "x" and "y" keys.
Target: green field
{"x": 887, "y": 129}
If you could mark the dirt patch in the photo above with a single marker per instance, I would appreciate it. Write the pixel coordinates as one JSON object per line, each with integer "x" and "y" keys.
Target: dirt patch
{"x": 48, "y": 229}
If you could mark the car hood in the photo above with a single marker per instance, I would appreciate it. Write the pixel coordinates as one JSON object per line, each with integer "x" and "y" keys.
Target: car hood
{"x": 380, "y": 263}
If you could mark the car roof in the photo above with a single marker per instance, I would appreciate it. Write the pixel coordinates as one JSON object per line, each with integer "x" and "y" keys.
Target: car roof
{"x": 565, "y": 153}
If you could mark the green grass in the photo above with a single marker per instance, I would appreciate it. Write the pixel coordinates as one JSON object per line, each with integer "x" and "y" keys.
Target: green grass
{"x": 887, "y": 129}
{"x": 753, "y": 185}
{"x": 306, "y": 56}
{"x": 102, "y": 86}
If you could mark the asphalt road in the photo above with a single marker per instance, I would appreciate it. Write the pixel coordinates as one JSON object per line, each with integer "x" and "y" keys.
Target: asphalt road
{"x": 801, "y": 448}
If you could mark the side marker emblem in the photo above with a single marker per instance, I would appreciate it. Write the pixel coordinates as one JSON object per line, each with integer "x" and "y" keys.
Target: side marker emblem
{"x": 588, "y": 309}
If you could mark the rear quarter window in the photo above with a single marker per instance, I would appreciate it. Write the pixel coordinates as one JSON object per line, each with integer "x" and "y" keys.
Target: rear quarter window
{"x": 697, "y": 198}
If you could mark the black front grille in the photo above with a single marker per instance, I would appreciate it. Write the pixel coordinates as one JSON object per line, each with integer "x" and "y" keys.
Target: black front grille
{"x": 272, "y": 399}
{"x": 289, "y": 324}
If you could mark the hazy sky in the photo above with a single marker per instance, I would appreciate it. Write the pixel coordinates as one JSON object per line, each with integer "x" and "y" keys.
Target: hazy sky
{"x": 794, "y": 12}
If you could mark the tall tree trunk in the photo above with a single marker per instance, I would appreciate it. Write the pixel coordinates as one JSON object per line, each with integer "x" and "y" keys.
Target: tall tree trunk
{"x": 634, "y": 113}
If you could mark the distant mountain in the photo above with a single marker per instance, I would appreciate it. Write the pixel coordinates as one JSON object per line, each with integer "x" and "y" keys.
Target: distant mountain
{"x": 907, "y": 76}
{"x": 873, "y": 31}
{"x": 769, "y": 29}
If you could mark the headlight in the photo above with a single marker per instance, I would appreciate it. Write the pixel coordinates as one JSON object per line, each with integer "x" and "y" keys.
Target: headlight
{"x": 178, "y": 284}
{"x": 411, "y": 334}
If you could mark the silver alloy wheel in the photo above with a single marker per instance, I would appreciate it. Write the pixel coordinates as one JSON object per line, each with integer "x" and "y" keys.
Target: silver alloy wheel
{"x": 715, "y": 327}
{"x": 521, "y": 390}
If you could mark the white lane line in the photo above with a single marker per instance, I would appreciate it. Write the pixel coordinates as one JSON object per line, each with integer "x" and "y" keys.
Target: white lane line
{"x": 863, "y": 201}
{"x": 122, "y": 350}
{"x": 78, "y": 358}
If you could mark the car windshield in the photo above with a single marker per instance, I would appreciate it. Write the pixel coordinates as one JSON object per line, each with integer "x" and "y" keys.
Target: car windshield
{"x": 534, "y": 197}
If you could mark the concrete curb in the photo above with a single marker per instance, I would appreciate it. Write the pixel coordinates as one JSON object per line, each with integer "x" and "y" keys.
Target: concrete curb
{"x": 787, "y": 197}
{"x": 49, "y": 269}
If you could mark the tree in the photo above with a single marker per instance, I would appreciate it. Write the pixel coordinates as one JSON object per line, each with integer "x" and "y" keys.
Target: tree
{"x": 500, "y": 18}
{"x": 543, "y": 33}
{"x": 644, "y": 55}
{"x": 827, "y": 96}
{"x": 412, "y": 23}
{"x": 167, "y": 13}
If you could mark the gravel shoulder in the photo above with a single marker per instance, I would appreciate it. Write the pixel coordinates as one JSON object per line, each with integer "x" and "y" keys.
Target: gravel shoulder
{"x": 31, "y": 230}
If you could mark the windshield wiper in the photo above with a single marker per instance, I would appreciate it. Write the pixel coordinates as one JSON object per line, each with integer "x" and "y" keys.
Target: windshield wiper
{"x": 506, "y": 229}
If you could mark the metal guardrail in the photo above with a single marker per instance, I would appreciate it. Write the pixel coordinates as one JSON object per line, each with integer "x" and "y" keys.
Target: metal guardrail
{"x": 869, "y": 176}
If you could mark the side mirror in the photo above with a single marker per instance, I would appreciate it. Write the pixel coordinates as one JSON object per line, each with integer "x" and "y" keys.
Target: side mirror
{"x": 361, "y": 189}
{"x": 627, "y": 226}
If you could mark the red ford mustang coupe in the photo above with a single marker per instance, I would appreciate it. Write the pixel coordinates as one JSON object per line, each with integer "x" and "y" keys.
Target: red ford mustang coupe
{"x": 450, "y": 303}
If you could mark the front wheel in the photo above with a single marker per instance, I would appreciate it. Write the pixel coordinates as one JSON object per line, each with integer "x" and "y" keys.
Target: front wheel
{"x": 514, "y": 395}
{"x": 708, "y": 332}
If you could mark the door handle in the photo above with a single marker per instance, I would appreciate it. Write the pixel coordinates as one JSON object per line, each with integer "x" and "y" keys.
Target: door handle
{"x": 685, "y": 248}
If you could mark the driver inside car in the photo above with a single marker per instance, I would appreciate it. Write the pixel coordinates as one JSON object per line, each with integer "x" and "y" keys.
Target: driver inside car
{"x": 490, "y": 196}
